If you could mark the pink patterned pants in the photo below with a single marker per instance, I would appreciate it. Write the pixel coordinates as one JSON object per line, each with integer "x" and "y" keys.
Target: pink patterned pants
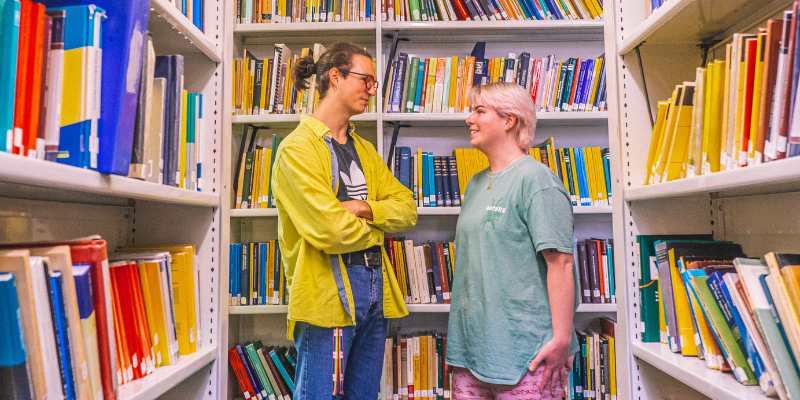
{"x": 467, "y": 387}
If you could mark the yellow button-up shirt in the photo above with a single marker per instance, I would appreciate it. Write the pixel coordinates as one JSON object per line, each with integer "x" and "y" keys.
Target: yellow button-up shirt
{"x": 312, "y": 225}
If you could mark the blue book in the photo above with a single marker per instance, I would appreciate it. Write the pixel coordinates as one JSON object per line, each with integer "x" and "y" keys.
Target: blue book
{"x": 13, "y": 354}
{"x": 197, "y": 15}
{"x": 9, "y": 31}
{"x": 480, "y": 65}
{"x": 749, "y": 347}
{"x": 425, "y": 183}
{"x": 552, "y": 9}
{"x": 122, "y": 41}
{"x": 581, "y": 84}
{"x": 199, "y": 142}
{"x": 432, "y": 179}
{"x": 438, "y": 181}
{"x": 231, "y": 269}
{"x": 586, "y": 199}
{"x": 601, "y": 83}
{"x": 289, "y": 380}
{"x": 171, "y": 68}
{"x": 715, "y": 285}
{"x": 437, "y": 279}
{"x": 606, "y": 167}
{"x": 405, "y": 166}
{"x": 263, "y": 281}
{"x": 62, "y": 335}
{"x": 277, "y": 274}
{"x": 587, "y": 84}
{"x": 418, "y": 106}
{"x": 454, "y": 188}
{"x": 248, "y": 367}
{"x": 448, "y": 192}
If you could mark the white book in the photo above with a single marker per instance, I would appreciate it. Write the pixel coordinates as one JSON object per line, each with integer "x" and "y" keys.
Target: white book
{"x": 44, "y": 322}
{"x": 411, "y": 259}
{"x": 422, "y": 275}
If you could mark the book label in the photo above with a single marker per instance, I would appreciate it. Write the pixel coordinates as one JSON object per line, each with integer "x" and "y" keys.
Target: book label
{"x": 653, "y": 268}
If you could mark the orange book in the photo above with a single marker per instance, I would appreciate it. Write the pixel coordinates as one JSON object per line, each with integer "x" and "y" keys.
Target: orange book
{"x": 469, "y": 74}
{"x": 574, "y": 82}
{"x": 747, "y": 101}
{"x": 771, "y": 49}
{"x": 25, "y": 72}
{"x": 31, "y": 124}
{"x": 124, "y": 367}
{"x": 142, "y": 330}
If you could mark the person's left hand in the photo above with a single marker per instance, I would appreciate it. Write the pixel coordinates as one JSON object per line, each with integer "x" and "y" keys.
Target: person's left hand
{"x": 555, "y": 356}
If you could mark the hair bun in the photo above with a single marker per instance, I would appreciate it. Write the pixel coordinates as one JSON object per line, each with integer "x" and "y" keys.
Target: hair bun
{"x": 311, "y": 69}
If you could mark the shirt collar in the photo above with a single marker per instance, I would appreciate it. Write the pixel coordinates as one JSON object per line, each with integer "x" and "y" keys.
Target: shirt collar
{"x": 319, "y": 128}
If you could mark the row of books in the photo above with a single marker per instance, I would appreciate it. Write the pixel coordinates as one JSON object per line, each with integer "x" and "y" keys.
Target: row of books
{"x": 194, "y": 10}
{"x": 652, "y": 5}
{"x": 285, "y": 11}
{"x": 264, "y": 372}
{"x": 289, "y": 11}
{"x": 490, "y": 10}
{"x": 594, "y": 368}
{"x": 253, "y": 174}
{"x": 737, "y": 314}
{"x": 79, "y": 323}
{"x": 440, "y": 85}
{"x": 265, "y": 86}
{"x": 425, "y": 272}
{"x": 414, "y": 368}
{"x": 256, "y": 275}
{"x": 61, "y": 78}
{"x": 594, "y": 267}
{"x": 739, "y": 112}
{"x": 433, "y": 179}
{"x": 583, "y": 170}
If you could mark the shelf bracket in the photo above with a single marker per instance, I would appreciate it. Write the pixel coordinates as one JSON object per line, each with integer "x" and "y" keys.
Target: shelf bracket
{"x": 395, "y": 40}
{"x": 644, "y": 84}
{"x": 706, "y": 47}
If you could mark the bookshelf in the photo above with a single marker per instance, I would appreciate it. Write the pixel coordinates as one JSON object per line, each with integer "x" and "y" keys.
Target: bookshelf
{"x": 46, "y": 201}
{"x": 440, "y": 133}
{"x": 753, "y": 206}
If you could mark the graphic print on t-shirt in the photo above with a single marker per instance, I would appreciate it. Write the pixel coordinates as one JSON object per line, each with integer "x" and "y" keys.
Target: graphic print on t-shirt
{"x": 493, "y": 213}
{"x": 356, "y": 183}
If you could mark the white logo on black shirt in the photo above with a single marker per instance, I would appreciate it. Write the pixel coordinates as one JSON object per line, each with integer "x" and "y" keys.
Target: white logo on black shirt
{"x": 356, "y": 183}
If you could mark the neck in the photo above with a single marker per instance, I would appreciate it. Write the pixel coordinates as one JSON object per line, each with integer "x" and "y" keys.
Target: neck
{"x": 335, "y": 116}
{"x": 502, "y": 157}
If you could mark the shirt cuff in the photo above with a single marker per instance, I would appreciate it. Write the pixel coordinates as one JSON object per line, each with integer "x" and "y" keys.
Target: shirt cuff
{"x": 378, "y": 212}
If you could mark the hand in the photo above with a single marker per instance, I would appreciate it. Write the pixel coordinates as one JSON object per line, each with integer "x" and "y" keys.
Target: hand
{"x": 359, "y": 208}
{"x": 555, "y": 356}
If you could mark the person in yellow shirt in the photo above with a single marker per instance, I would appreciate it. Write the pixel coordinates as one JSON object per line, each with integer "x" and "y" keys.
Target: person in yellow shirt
{"x": 336, "y": 198}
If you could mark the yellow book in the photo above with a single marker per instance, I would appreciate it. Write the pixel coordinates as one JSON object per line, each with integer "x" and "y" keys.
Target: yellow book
{"x": 551, "y": 156}
{"x": 240, "y": 184}
{"x": 564, "y": 176}
{"x": 680, "y": 137}
{"x": 183, "y": 288}
{"x": 757, "y": 87}
{"x": 602, "y": 193}
{"x": 655, "y": 140}
{"x": 149, "y": 279}
{"x": 535, "y": 154}
{"x": 726, "y": 114}
{"x": 266, "y": 177}
{"x": 709, "y": 157}
{"x": 791, "y": 277}
{"x": 262, "y": 100}
{"x": 431, "y": 85}
{"x": 598, "y": 65}
{"x": 666, "y": 137}
{"x": 711, "y": 352}
{"x": 424, "y": 369}
{"x": 452, "y": 257}
{"x": 662, "y": 318}
{"x": 417, "y": 368}
{"x": 254, "y": 187}
{"x": 421, "y": 179}
{"x": 184, "y": 132}
{"x": 683, "y": 314}
{"x": 253, "y": 288}
{"x": 574, "y": 175}
{"x": 691, "y": 162}
{"x": 453, "y": 84}
{"x": 783, "y": 303}
{"x": 591, "y": 182}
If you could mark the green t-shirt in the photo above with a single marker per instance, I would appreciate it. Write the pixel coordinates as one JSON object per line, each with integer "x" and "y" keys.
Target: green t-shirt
{"x": 500, "y": 312}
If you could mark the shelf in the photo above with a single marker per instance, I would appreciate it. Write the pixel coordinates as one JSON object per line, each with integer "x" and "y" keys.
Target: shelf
{"x": 291, "y": 120}
{"x": 494, "y": 31}
{"x": 773, "y": 177}
{"x": 165, "y": 378}
{"x": 305, "y": 32}
{"x": 694, "y": 373}
{"x": 412, "y": 308}
{"x": 697, "y": 21}
{"x": 429, "y": 211}
{"x": 459, "y": 119}
{"x": 173, "y": 33}
{"x": 53, "y": 177}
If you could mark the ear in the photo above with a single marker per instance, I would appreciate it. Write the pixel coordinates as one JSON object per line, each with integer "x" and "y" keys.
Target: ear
{"x": 335, "y": 76}
{"x": 511, "y": 120}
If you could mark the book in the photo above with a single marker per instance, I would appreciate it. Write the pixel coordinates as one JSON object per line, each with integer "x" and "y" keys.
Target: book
{"x": 83, "y": 292}
{"x": 14, "y": 360}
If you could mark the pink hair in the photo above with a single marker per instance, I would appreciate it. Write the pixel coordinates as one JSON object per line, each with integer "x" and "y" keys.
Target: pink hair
{"x": 509, "y": 98}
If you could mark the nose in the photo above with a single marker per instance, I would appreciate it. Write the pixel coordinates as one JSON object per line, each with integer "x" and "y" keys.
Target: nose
{"x": 471, "y": 119}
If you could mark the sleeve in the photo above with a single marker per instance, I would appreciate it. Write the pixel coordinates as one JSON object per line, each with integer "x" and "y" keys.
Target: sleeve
{"x": 550, "y": 220}
{"x": 304, "y": 191}
{"x": 394, "y": 209}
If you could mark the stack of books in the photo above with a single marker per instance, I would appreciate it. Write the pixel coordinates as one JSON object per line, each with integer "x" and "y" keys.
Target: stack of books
{"x": 264, "y": 372}
{"x": 424, "y": 272}
{"x": 256, "y": 275}
{"x": 703, "y": 298}
{"x": 738, "y": 112}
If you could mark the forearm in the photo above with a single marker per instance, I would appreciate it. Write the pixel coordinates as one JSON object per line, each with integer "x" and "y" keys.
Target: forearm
{"x": 561, "y": 293}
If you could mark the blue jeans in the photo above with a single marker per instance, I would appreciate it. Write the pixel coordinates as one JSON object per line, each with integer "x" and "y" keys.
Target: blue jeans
{"x": 362, "y": 344}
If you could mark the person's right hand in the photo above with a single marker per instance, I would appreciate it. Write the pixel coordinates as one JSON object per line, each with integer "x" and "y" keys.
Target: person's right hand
{"x": 359, "y": 208}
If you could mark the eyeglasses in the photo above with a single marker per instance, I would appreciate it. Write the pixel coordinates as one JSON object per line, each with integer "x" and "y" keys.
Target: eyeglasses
{"x": 369, "y": 80}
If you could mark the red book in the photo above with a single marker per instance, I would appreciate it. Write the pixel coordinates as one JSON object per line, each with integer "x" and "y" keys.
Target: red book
{"x": 31, "y": 123}
{"x": 142, "y": 331}
{"x": 462, "y": 10}
{"x": 390, "y": 251}
{"x": 441, "y": 263}
{"x": 535, "y": 78}
{"x": 749, "y": 76}
{"x": 787, "y": 86}
{"x": 24, "y": 69}
{"x": 575, "y": 81}
{"x": 424, "y": 86}
{"x": 122, "y": 309}
{"x": 771, "y": 51}
{"x": 238, "y": 371}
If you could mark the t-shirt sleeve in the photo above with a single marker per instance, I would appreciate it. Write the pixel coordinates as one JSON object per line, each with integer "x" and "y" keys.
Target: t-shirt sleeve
{"x": 550, "y": 222}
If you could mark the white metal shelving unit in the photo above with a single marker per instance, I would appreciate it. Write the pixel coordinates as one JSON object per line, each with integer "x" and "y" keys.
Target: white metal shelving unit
{"x": 45, "y": 201}
{"x": 439, "y": 132}
{"x": 738, "y": 205}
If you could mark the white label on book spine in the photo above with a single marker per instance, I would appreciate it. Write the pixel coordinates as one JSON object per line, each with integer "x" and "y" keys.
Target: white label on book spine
{"x": 587, "y": 292}
{"x": 446, "y": 295}
{"x": 17, "y": 137}
{"x": 135, "y": 361}
{"x": 641, "y": 326}
{"x": 191, "y": 335}
{"x": 653, "y": 268}
{"x": 84, "y": 371}
{"x": 697, "y": 341}
{"x": 780, "y": 144}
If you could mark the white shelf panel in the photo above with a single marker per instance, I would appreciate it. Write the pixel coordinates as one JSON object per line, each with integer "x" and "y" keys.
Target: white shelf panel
{"x": 695, "y": 21}
{"x": 523, "y": 30}
{"x": 165, "y": 378}
{"x": 774, "y": 177}
{"x": 50, "y": 175}
{"x": 291, "y": 120}
{"x": 412, "y": 308}
{"x": 459, "y": 119}
{"x": 427, "y": 211}
{"x": 173, "y": 33}
{"x": 306, "y": 31}
{"x": 694, "y": 373}
{"x": 245, "y": 310}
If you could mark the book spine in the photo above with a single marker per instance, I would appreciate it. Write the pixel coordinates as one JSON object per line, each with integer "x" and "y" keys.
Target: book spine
{"x": 454, "y": 188}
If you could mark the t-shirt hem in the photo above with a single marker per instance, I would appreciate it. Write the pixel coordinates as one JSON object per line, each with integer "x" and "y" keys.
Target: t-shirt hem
{"x": 563, "y": 249}
{"x": 487, "y": 379}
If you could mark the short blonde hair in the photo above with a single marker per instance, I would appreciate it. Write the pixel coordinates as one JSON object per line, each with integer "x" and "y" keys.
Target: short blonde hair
{"x": 509, "y": 98}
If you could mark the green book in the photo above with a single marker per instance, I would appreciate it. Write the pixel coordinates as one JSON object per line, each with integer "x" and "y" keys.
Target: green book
{"x": 733, "y": 353}
{"x": 413, "y": 74}
{"x": 414, "y": 8}
{"x": 262, "y": 375}
{"x": 276, "y": 141}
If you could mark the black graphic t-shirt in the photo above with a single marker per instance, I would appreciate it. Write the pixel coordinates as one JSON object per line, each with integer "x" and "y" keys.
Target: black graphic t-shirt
{"x": 352, "y": 184}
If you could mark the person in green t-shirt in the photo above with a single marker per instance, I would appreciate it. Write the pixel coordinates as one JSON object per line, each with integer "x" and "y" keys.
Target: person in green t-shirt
{"x": 510, "y": 333}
